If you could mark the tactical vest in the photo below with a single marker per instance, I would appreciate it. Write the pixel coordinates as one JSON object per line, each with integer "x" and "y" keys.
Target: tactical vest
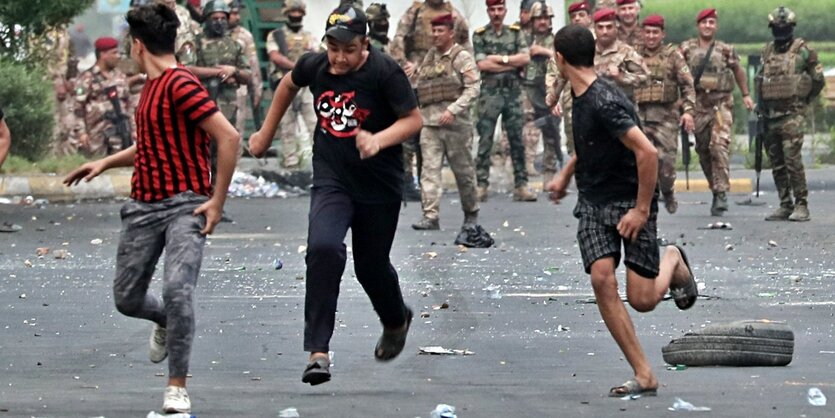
{"x": 297, "y": 43}
{"x": 437, "y": 79}
{"x": 420, "y": 37}
{"x": 214, "y": 52}
{"x": 662, "y": 86}
{"x": 717, "y": 77}
{"x": 783, "y": 76}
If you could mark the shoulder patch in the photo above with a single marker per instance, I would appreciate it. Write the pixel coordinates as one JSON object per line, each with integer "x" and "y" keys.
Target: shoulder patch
{"x": 481, "y": 29}
{"x": 515, "y": 26}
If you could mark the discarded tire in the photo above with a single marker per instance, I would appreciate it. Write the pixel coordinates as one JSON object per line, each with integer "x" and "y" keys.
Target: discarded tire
{"x": 740, "y": 343}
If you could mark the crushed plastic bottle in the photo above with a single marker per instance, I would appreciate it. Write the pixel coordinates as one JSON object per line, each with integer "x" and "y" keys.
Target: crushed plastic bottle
{"x": 154, "y": 414}
{"x": 443, "y": 411}
{"x": 289, "y": 413}
{"x": 494, "y": 291}
{"x": 682, "y": 405}
{"x": 816, "y": 397}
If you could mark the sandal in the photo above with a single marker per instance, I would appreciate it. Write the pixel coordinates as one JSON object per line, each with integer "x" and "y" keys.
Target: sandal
{"x": 631, "y": 388}
{"x": 685, "y": 296}
{"x": 317, "y": 372}
{"x": 391, "y": 343}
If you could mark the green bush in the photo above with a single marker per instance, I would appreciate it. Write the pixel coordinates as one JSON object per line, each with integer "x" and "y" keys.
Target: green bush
{"x": 27, "y": 101}
{"x": 743, "y": 21}
{"x": 49, "y": 165}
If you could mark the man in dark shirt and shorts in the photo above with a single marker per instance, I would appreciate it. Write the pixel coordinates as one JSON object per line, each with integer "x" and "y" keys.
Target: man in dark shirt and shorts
{"x": 173, "y": 205}
{"x": 365, "y": 109}
{"x": 616, "y": 167}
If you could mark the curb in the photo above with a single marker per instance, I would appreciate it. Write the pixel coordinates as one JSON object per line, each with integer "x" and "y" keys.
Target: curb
{"x": 50, "y": 187}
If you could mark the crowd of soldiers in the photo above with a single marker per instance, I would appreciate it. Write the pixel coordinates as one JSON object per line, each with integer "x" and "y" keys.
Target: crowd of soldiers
{"x": 499, "y": 70}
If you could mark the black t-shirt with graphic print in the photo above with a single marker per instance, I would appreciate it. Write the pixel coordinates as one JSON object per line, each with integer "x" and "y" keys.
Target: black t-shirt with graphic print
{"x": 606, "y": 170}
{"x": 371, "y": 98}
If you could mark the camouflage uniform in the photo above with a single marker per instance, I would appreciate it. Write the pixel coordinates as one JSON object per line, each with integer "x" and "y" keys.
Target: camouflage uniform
{"x": 661, "y": 101}
{"x": 187, "y": 31}
{"x": 130, "y": 68}
{"x": 56, "y": 44}
{"x": 412, "y": 40}
{"x": 447, "y": 81}
{"x": 714, "y": 110}
{"x": 211, "y": 52}
{"x": 627, "y": 60}
{"x": 534, "y": 83}
{"x": 93, "y": 110}
{"x": 247, "y": 42}
{"x": 298, "y": 43}
{"x": 501, "y": 94}
{"x": 786, "y": 83}
{"x": 633, "y": 37}
{"x": 608, "y": 4}
{"x": 377, "y": 12}
{"x": 558, "y": 90}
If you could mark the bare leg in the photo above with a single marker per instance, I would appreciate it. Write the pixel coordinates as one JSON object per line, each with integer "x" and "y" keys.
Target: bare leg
{"x": 644, "y": 294}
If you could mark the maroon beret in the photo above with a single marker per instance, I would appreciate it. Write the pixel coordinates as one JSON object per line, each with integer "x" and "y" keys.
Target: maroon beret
{"x": 622, "y": 2}
{"x": 654, "y": 20}
{"x": 495, "y": 3}
{"x": 604, "y": 14}
{"x": 580, "y": 5}
{"x": 445, "y": 20}
{"x": 706, "y": 13}
{"x": 106, "y": 44}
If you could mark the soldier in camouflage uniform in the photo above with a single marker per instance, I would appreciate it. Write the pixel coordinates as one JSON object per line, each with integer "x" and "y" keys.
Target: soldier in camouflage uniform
{"x": 714, "y": 103}
{"x": 95, "y": 129}
{"x": 501, "y": 51}
{"x": 187, "y": 30}
{"x": 218, "y": 60}
{"x": 412, "y": 40}
{"x": 614, "y": 59}
{"x": 55, "y": 45}
{"x": 541, "y": 45}
{"x": 665, "y": 103}
{"x": 285, "y": 46}
{"x": 378, "y": 26}
{"x": 629, "y": 32}
{"x": 447, "y": 85}
{"x": 253, "y": 87}
{"x": 790, "y": 78}
{"x": 558, "y": 90}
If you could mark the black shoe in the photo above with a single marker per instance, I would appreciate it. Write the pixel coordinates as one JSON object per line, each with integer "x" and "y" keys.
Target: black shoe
{"x": 317, "y": 372}
{"x": 391, "y": 343}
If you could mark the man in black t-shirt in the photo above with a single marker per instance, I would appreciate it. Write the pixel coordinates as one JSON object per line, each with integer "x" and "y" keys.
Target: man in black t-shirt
{"x": 365, "y": 109}
{"x": 5, "y": 138}
{"x": 616, "y": 167}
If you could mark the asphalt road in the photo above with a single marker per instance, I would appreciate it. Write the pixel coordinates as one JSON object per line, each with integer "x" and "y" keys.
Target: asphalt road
{"x": 539, "y": 351}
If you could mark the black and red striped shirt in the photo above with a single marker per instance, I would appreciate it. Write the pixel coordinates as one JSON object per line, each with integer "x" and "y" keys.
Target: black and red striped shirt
{"x": 172, "y": 151}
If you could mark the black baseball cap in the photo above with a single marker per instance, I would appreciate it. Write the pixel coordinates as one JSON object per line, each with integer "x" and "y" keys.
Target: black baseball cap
{"x": 345, "y": 23}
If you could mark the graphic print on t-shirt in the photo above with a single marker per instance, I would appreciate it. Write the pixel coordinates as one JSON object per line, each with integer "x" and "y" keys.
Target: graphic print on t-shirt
{"x": 339, "y": 114}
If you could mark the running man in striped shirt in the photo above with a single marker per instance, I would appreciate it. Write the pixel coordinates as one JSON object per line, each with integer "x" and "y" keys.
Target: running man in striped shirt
{"x": 173, "y": 205}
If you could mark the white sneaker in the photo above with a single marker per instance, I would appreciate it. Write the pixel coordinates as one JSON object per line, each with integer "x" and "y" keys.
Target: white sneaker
{"x": 158, "y": 351}
{"x": 176, "y": 400}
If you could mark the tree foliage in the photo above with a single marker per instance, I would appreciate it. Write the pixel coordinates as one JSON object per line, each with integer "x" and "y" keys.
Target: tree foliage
{"x": 22, "y": 21}
{"x": 27, "y": 101}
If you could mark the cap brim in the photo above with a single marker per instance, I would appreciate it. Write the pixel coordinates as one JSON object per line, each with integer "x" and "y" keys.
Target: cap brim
{"x": 341, "y": 34}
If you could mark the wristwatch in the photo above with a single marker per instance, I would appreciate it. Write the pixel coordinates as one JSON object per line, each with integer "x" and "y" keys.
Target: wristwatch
{"x": 504, "y": 59}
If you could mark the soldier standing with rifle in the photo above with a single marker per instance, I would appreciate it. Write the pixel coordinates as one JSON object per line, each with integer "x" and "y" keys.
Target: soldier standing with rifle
{"x": 447, "y": 85}
{"x": 412, "y": 40}
{"x": 252, "y": 90}
{"x": 716, "y": 68}
{"x": 789, "y": 79}
{"x": 285, "y": 46}
{"x": 102, "y": 104}
{"x": 665, "y": 103}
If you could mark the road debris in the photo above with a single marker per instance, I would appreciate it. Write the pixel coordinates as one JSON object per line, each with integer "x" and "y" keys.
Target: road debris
{"x": 437, "y": 350}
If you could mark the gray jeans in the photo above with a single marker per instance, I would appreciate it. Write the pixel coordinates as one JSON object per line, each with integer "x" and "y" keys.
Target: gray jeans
{"x": 147, "y": 228}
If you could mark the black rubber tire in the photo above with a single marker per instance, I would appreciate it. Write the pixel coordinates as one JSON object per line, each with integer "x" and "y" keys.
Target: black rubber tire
{"x": 740, "y": 344}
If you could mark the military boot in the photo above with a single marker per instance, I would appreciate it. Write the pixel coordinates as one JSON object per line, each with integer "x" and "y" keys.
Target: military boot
{"x": 410, "y": 192}
{"x": 719, "y": 205}
{"x": 781, "y": 214}
{"x": 522, "y": 194}
{"x": 670, "y": 203}
{"x": 531, "y": 169}
{"x": 800, "y": 214}
{"x": 427, "y": 224}
{"x": 481, "y": 193}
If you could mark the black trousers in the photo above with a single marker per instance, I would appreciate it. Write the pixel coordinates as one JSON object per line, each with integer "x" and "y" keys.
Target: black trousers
{"x": 332, "y": 212}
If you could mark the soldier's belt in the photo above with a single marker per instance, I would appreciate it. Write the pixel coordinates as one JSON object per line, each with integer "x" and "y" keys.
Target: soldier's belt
{"x": 499, "y": 82}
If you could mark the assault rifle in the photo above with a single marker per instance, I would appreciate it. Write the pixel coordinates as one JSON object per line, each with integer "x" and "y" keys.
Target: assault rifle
{"x": 685, "y": 155}
{"x": 120, "y": 121}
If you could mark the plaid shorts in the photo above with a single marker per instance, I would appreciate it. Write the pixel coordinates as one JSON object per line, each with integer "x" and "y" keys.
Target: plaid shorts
{"x": 598, "y": 237}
